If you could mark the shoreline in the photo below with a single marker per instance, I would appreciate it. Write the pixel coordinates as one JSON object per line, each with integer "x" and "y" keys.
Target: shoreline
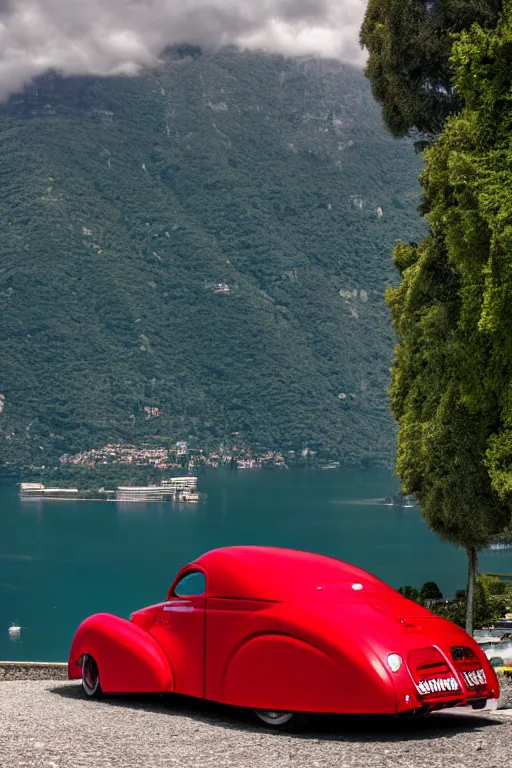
{"x": 112, "y": 501}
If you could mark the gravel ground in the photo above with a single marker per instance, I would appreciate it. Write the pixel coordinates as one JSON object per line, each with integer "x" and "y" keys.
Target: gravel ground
{"x": 32, "y": 670}
{"x": 49, "y": 725}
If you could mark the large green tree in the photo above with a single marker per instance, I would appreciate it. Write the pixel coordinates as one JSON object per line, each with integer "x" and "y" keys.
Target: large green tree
{"x": 452, "y": 377}
{"x": 409, "y": 44}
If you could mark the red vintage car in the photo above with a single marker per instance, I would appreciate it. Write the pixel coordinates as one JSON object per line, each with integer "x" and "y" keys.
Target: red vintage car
{"x": 281, "y": 632}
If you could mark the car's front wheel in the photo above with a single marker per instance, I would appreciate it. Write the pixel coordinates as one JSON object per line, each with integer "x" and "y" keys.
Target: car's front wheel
{"x": 90, "y": 677}
{"x": 274, "y": 719}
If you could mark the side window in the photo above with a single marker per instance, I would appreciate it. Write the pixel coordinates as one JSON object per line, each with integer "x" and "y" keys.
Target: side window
{"x": 191, "y": 584}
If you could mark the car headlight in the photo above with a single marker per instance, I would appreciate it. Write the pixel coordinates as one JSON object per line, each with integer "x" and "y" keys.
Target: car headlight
{"x": 394, "y": 662}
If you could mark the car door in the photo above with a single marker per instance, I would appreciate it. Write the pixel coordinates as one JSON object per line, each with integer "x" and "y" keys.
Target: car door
{"x": 180, "y": 629}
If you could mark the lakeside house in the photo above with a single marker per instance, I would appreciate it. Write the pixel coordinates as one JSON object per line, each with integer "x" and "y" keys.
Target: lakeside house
{"x": 140, "y": 493}
{"x": 171, "y": 488}
{"x": 39, "y": 490}
{"x": 187, "y": 483}
{"x": 189, "y": 498}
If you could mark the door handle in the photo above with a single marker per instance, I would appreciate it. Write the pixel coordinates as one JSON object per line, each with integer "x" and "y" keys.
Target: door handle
{"x": 178, "y": 606}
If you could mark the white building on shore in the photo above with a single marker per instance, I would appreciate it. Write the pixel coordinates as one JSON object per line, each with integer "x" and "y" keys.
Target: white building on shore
{"x": 176, "y": 484}
{"x": 170, "y": 489}
{"x": 140, "y": 493}
{"x": 174, "y": 487}
{"x": 39, "y": 490}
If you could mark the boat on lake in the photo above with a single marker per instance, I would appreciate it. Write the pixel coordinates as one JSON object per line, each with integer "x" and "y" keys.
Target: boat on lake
{"x": 399, "y": 500}
{"x": 14, "y": 630}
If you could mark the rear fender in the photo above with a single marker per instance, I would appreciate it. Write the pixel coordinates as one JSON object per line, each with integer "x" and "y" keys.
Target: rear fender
{"x": 277, "y": 671}
{"x": 129, "y": 660}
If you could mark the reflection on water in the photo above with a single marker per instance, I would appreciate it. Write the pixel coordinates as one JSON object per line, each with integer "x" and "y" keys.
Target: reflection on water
{"x": 16, "y": 558}
{"x": 362, "y": 502}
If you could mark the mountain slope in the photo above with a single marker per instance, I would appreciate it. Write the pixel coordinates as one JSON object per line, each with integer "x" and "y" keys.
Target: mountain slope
{"x": 128, "y": 202}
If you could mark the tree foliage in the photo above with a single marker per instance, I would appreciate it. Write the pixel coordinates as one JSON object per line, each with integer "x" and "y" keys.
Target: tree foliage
{"x": 490, "y": 603}
{"x": 492, "y": 599}
{"x": 409, "y": 44}
{"x": 412, "y": 593}
{"x": 452, "y": 374}
{"x": 430, "y": 591}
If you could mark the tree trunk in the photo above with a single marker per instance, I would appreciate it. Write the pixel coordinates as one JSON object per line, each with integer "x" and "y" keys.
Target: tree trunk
{"x": 472, "y": 566}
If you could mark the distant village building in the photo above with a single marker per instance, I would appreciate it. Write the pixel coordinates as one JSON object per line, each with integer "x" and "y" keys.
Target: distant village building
{"x": 222, "y": 288}
{"x": 357, "y": 201}
{"x": 181, "y": 448}
{"x": 152, "y": 412}
{"x": 246, "y": 463}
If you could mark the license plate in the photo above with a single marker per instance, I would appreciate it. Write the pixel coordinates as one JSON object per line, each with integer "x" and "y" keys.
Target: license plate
{"x": 438, "y": 685}
{"x": 475, "y": 678}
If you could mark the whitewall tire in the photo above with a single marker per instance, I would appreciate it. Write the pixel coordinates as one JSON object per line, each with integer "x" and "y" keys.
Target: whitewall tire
{"x": 90, "y": 677}
{"x": 274, "y": 719}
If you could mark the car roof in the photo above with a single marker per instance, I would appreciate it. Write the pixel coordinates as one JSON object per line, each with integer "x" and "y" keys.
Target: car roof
{"x": 272, "y": 573}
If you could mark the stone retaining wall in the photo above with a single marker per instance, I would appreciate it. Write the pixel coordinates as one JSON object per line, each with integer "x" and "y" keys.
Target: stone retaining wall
{"x": 32, "y": 670}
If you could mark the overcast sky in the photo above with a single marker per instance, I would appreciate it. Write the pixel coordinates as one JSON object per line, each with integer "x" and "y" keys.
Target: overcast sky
{"x": 109, "y": 36}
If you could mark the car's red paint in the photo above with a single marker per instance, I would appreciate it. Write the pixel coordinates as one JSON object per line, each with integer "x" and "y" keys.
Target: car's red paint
{"x": 283, "y": 630}
{"x": 179, "y": 628}
{"x": 128, "y": 658}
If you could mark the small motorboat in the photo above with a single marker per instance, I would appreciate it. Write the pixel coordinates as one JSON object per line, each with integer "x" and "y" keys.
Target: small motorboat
{"x": 15, "y": 630}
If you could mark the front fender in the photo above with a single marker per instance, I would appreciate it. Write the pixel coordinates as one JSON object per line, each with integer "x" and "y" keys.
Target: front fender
{"x": 129, "y": 660}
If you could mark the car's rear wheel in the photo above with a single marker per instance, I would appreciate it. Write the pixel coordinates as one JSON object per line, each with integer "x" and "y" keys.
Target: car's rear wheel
{"x": 90, "y": 677}
{"x": 274, "y": 719}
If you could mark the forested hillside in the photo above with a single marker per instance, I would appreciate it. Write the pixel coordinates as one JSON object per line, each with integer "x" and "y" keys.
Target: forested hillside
{"x": 212, "y": 240}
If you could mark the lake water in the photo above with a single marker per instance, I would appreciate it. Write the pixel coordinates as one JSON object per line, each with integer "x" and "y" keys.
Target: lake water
{"x": 61, "y": 561}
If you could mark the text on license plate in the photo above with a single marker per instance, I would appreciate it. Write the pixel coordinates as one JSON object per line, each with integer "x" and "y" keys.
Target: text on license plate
{"x": 438, "y": 685}
{"x": 475, "y": 678}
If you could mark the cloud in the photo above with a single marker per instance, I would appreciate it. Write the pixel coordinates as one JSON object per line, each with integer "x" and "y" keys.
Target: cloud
{"x": 112, "y": 36}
